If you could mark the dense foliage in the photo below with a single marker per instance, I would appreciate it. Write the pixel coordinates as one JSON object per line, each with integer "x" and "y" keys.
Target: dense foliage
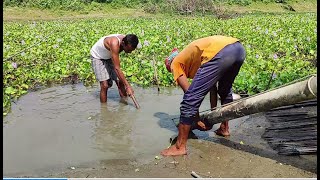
{"x": 280, "y": 47}
{"x": 83, "y": 4}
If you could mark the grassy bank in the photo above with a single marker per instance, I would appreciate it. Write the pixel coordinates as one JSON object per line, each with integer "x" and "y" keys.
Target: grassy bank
{"x": 103, "y": 10}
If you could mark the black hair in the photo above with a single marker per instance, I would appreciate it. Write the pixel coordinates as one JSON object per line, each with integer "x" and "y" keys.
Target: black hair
{"x": 131, "y": 39}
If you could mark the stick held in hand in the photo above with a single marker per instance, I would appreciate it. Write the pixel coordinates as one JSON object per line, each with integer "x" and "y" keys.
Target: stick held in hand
{"x": 135, "y": 101}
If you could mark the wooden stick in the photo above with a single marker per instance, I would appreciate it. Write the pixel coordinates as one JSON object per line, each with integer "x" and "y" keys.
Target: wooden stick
{"x": 155, "y": 73}
{"x": 135, "y": 101}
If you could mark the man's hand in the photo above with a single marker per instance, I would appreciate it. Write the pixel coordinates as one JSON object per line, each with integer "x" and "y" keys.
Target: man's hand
{"x": 202, "y": 125}
{"x": 129, "y": 90}
{"x": 122, "y": 92}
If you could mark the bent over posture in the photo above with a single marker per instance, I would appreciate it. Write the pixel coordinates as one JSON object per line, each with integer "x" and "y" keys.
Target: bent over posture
{"x": 106, "y": 62}
{"x": 213, "y": 63}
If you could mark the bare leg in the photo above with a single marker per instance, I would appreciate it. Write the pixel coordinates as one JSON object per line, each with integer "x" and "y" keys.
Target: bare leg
{"x": 180, "y": 147}
{"x": 103, "y": 91}
{"x": 223, "y": 129}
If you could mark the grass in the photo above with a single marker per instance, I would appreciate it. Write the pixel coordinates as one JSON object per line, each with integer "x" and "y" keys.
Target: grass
{"x": 106, "y": 11}
{"x": 20, "y": 13}
{"x": 306, "y": 6}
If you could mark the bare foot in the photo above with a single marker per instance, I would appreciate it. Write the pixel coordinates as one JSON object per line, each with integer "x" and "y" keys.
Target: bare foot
{"x": 173, "y": 151}
{"x": 221, "y": 132}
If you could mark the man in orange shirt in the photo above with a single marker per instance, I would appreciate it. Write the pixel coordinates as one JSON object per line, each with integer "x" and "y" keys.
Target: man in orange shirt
{"x": 209, "y": 61}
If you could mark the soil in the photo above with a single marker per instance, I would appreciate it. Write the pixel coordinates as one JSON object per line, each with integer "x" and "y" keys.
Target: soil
{"x": 205, "y": 158}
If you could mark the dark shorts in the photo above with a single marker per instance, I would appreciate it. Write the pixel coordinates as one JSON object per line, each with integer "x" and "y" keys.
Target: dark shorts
{"x": 221, "y": 70}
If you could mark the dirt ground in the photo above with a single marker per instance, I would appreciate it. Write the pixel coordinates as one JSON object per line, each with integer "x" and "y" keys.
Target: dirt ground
{"x": 242, "y": 155}
{"x": 207, "y": 159}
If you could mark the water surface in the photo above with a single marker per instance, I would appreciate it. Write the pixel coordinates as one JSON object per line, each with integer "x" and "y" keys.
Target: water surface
{"x": 67, "y": 126}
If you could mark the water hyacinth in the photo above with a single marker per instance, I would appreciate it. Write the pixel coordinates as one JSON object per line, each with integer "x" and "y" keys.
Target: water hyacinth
{"x": 245, "y": 28}
{"x": 168, "y": 39}
{"x": 23, "y": 54}
{"x": 146, "y": 43}
{"x": 266, "y": 32}
{"x": 33, "y": 25}
{"x": 59, "y": 40}
{"x": 274, "y": 33}
{"x": 308, "y": 39}
{"x": 139, "y": 46}
{"x": 274, "y": 75}
{"x": 275, "y": 56}
{"x": 23, "y": 43}
{"x": 14, "y": 65}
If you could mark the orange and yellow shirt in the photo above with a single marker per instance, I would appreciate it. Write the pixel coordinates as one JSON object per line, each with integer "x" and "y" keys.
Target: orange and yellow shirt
{"x": 197, "y": 53}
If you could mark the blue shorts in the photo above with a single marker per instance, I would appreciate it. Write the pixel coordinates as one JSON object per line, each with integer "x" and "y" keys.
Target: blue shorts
{"x": 222, "y": 69}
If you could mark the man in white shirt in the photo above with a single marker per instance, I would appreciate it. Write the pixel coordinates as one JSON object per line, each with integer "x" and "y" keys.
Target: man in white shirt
{"x": 106, "y": 62}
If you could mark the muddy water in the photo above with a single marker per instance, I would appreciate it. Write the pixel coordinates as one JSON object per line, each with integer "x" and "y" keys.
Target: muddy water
{"x": 66, "y": 126}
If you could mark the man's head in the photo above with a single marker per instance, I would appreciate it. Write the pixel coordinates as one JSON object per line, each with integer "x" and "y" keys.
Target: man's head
{"x": 169, "y": 59}
{"x": 129, "y": 43}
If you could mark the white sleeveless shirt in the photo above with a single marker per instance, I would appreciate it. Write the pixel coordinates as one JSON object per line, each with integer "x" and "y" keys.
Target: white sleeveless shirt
{"x": 99, "y": 51}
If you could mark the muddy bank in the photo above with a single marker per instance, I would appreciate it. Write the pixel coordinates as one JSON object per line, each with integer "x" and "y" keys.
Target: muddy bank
{"x": 207, "y": 159}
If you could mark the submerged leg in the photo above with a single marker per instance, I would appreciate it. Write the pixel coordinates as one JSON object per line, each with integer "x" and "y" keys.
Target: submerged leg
{"x": 103, "y": 91}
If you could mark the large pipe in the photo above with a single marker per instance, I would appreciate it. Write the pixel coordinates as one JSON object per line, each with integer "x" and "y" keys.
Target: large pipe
{"x": 291, "y": 94}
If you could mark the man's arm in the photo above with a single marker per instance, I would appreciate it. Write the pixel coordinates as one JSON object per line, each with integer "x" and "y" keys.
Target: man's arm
{"x": 184, "y": 84}
{"x": 114, "y": 48}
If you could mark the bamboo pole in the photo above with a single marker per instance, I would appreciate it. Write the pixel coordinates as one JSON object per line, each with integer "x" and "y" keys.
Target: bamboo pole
{"x": 291, "y": 94}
